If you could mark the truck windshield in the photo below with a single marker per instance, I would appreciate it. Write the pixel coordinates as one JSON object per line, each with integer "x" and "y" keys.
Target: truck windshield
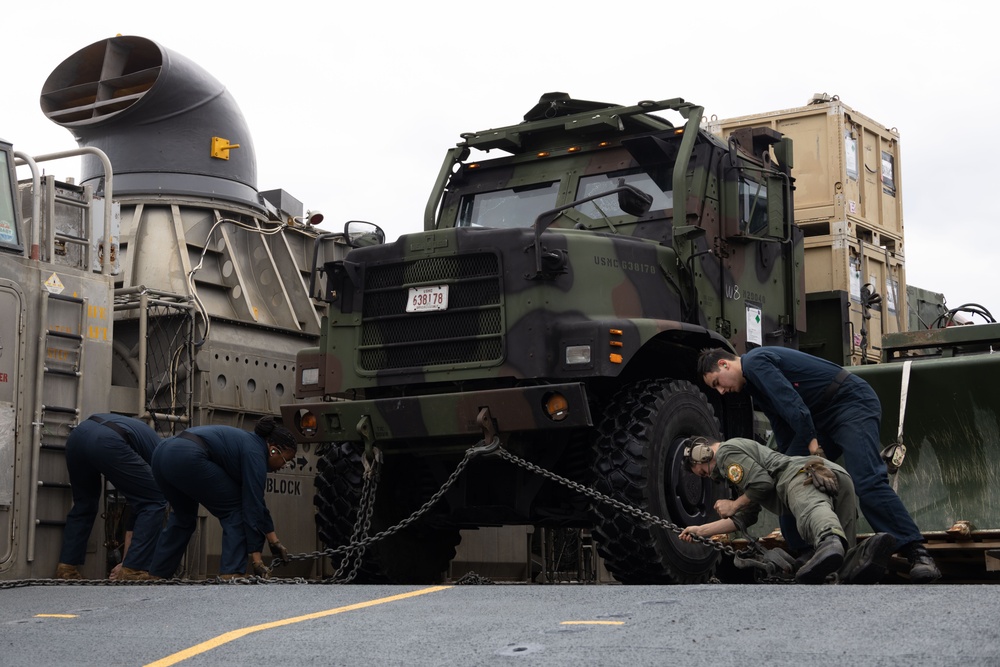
{"x": 513, "y": 207}
{"x": 592, "y": 185}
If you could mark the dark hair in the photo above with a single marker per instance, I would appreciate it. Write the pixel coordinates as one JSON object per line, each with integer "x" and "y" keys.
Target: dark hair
{"x": 274, "y": 434}
{"x": 709, "y": 358}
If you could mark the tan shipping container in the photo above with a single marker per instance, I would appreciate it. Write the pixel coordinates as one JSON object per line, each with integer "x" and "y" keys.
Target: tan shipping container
{"x": 851, "y": 265}
{"x": 846, "y": 166}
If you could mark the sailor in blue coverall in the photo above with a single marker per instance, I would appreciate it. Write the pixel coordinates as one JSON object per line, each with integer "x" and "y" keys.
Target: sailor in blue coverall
{"x": 120, "y": 448}
{"x": 223, "y": 468}
{"x": 814, "y": 405}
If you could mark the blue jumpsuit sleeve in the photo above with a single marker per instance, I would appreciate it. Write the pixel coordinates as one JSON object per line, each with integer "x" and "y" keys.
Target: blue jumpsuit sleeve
{"x": 256, "y": 517}
{"x": 790, "y": 418}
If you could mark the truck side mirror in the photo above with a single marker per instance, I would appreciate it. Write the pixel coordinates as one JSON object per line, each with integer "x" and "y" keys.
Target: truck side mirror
{"x": 632, "y": 200}
{"x": 359, "y": 234}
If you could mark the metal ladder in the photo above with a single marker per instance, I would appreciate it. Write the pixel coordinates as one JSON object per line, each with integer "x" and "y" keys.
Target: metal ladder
{"x": 49, "y": 432}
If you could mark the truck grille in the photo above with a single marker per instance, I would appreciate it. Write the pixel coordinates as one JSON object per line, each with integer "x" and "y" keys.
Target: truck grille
{"x": 470, "y": 331}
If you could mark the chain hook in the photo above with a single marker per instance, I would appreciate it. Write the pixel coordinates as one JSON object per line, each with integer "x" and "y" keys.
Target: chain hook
{"x": 491, "y": 441}
{"x": 372, "y": 456}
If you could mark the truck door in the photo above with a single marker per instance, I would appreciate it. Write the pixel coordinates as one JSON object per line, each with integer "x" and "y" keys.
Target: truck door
{"x": 11, "y": 354}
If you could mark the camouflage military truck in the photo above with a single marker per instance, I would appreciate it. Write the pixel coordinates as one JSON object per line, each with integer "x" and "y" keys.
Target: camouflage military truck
{"x": 566, "y": 278}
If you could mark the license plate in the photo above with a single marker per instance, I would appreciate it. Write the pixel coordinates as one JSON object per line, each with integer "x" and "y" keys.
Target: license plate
{"x": 427, "y": 298}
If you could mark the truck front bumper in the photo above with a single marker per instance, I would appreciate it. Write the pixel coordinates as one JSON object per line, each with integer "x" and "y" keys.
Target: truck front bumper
{"x": 441, "y": 415}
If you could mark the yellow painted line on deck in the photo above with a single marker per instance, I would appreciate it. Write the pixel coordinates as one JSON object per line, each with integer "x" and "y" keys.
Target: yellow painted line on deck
{"x": 243, "y": 632}
{"x": 55, "y": 615}
{"x": 592, "y": 623}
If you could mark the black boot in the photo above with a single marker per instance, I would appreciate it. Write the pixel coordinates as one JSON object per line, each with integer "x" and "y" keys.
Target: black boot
{"x": 828, "y": 557}
{"x": 922, "y": 567}
{"x": 802, "y": 558}
{"x": 868, "y": 562}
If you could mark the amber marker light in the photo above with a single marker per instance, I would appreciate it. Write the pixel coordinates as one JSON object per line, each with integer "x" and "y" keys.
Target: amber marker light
{"x": 542, "y": 154}
{"x": 557, "y": 407}
{"x": 615, "y": 358}
{"x": 307, "y": 423}
{"x": 573, "y": 149}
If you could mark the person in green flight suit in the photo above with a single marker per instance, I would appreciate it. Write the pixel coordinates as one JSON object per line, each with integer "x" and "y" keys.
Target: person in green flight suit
{"x": 818, "y": 493}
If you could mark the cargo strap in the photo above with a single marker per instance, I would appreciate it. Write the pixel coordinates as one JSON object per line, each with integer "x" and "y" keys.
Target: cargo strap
{"x": 894, "y": 454}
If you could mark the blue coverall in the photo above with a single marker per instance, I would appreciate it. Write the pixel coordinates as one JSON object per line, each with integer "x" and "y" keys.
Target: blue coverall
{"x": 791, "y": 389}
{"x": 226, "y": 473}
{"x": 94, "y": 449}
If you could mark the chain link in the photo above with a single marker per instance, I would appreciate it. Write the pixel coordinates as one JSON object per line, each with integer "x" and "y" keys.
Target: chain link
{"x": 608, "y": 500}
{"x": 353, "y": 552}
{"x": 359, "y": 543}
{"x": 373, "y": 471}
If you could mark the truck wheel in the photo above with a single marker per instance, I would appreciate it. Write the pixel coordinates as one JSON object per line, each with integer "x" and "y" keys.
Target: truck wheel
{"x": 640, "y": 462}
{"x": 418, "y": 554}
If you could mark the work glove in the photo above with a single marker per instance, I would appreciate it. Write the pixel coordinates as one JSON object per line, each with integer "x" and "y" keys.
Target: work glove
{"x": 260, "y": 570}
{"x": 820, "y": 453}
{"x": 821, "y": 477}
{"x": 278, "y": 550}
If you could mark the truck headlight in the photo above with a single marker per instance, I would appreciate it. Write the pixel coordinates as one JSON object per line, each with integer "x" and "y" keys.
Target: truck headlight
{"x": 310, "y": 376}
{"x": 577, "y": 354}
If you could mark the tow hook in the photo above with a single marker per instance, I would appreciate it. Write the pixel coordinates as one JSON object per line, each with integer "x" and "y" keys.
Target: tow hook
{"x": 491, "y": 441}
{"x": 372, "y": 453}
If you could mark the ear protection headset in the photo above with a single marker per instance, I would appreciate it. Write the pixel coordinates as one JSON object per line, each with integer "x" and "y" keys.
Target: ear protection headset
{"x": 696, "y": 451}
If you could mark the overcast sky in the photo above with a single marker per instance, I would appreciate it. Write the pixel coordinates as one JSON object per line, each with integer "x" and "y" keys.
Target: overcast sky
{"x": 353, "y": 105}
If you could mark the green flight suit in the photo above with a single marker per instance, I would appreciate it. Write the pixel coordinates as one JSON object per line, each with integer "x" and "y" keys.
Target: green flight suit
{"x": 776, "y": 482}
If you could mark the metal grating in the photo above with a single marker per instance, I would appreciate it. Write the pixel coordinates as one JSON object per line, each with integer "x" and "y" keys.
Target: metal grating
{"x": 469, "y": 331}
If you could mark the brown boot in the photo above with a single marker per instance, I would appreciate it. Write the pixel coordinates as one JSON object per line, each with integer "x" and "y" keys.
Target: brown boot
{"x": 64, "y": 571}
{"x": 128, "y": 574}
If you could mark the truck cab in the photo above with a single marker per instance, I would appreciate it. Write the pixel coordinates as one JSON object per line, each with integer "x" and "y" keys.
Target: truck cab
{"x": 585, "y": 265}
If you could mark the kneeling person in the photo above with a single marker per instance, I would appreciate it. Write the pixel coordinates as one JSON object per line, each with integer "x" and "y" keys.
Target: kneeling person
{"x": 818, "y": 493}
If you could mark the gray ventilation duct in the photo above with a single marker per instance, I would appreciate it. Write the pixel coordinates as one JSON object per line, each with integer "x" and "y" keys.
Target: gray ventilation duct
{"x": 154, "y": 113}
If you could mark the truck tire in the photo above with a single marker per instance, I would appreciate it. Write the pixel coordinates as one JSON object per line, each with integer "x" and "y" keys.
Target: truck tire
{"x": 418, "y": 554}
{"x": 639, "y": 462}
